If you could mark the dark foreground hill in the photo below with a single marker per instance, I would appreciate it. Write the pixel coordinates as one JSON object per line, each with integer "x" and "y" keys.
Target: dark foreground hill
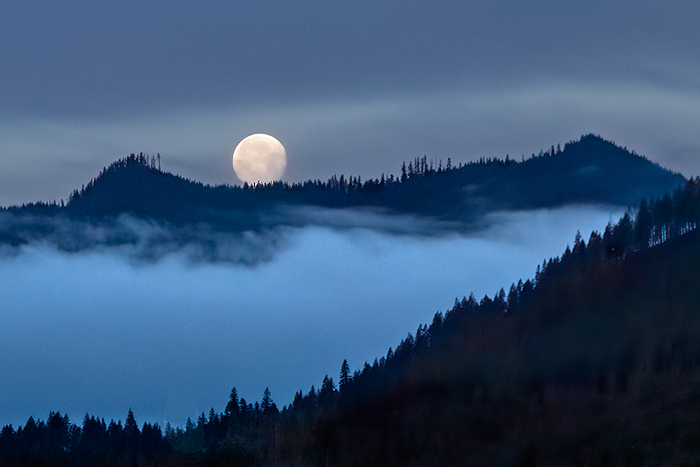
{"x": 595, "y": 361}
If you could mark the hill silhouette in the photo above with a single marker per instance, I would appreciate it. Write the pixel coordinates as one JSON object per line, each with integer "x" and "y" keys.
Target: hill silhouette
{"x": 590, "y": 170}
{"x": 132, "y": 202}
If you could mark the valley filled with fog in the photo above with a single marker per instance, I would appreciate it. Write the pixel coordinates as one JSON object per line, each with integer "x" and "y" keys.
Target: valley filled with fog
{"x": 99, "y": 332}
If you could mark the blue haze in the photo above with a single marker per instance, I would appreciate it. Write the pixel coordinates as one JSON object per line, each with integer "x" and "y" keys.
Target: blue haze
{"x": 99, "y": 332}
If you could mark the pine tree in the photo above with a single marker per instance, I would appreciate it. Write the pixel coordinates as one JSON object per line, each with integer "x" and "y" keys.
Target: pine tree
{"x": 325, "y": 395}
{"x": 266, "y": 402}
{"x": 643, "y": 226}
{"x": 233, "y": 408}
{"x": 345, "y": 376}
{"x": 243, "y": 407}
{"x": 131, "y": 435}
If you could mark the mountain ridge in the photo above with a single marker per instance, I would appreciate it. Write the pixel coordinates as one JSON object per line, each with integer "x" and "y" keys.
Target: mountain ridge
{"x": 453, "y": 198}
{"x": 591, "y": 170}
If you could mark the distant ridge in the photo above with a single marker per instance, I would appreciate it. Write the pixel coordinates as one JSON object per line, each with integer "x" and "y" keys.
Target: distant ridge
{"x": 455, "y": 198}
{"x": 590, "y": 170}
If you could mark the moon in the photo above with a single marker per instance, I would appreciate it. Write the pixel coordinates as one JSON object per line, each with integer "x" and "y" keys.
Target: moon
{"x": 259, "y": 158}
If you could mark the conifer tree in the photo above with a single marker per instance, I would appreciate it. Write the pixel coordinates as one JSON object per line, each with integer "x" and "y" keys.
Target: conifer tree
{"x": 232, "y": 408}
{"x": 266, "y": 402}
{"x": 345, "y": 376}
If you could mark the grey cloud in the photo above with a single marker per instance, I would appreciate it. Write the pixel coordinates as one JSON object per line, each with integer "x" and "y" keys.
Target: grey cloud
{"x": 97, "y": 59}
{"x": 139, "y": 240}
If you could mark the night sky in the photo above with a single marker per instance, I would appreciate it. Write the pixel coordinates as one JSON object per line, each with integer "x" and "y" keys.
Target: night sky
{"x": 347, "y": 88}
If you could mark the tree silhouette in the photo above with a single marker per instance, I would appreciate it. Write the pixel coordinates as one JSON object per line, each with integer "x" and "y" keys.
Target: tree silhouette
{"x": 345, "y": 376}
{"x": 232, "y": 407}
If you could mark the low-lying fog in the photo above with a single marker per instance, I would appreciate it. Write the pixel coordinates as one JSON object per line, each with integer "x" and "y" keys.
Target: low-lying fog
{"x": 96, "y": 332}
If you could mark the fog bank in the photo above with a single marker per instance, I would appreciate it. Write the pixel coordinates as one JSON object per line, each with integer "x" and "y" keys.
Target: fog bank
{"x": 95, "y": 332}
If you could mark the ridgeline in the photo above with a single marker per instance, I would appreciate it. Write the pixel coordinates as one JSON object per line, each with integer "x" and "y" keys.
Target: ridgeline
{"x": 588, "y": 171}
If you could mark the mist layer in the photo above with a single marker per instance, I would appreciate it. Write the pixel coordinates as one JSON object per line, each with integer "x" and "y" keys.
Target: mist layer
{"x": 96, "y": 332}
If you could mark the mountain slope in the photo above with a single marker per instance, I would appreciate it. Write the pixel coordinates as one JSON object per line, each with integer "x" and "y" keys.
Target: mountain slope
{"x": 594, "y": 362}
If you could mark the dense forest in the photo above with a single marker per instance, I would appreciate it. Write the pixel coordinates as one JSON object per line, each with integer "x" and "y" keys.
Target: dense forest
{"x": 593, "y": 361}
{"x": 590, "y": 170}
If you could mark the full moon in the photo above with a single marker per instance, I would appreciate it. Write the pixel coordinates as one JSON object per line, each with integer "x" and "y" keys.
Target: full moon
{"x": 259, "y": 158}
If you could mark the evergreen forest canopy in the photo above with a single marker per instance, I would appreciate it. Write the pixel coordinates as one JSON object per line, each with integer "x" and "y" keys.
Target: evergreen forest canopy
{"x": 594, "y": 361}
{"x": 132, "y": 202}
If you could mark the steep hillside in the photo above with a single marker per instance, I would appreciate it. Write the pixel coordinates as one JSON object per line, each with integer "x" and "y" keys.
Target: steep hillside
{"x": 594, "y": 362}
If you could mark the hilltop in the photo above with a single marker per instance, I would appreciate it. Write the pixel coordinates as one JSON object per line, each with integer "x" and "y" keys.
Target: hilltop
{"x": 591, "y": 170}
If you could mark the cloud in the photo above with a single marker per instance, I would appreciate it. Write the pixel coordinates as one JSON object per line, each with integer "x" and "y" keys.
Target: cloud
{"x": 96, "y": 59}
{"x": 139, "y": 240}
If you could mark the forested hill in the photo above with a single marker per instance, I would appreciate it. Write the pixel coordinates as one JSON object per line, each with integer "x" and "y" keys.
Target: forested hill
{"x": 590, "y": 170}
{"x": 134, "y": 204}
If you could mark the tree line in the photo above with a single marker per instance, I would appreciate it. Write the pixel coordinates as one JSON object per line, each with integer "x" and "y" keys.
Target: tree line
{"x": 588, "y": 170}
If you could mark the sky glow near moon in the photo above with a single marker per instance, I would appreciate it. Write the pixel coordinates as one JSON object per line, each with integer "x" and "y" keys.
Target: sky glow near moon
{"x": 259, "y": 158}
